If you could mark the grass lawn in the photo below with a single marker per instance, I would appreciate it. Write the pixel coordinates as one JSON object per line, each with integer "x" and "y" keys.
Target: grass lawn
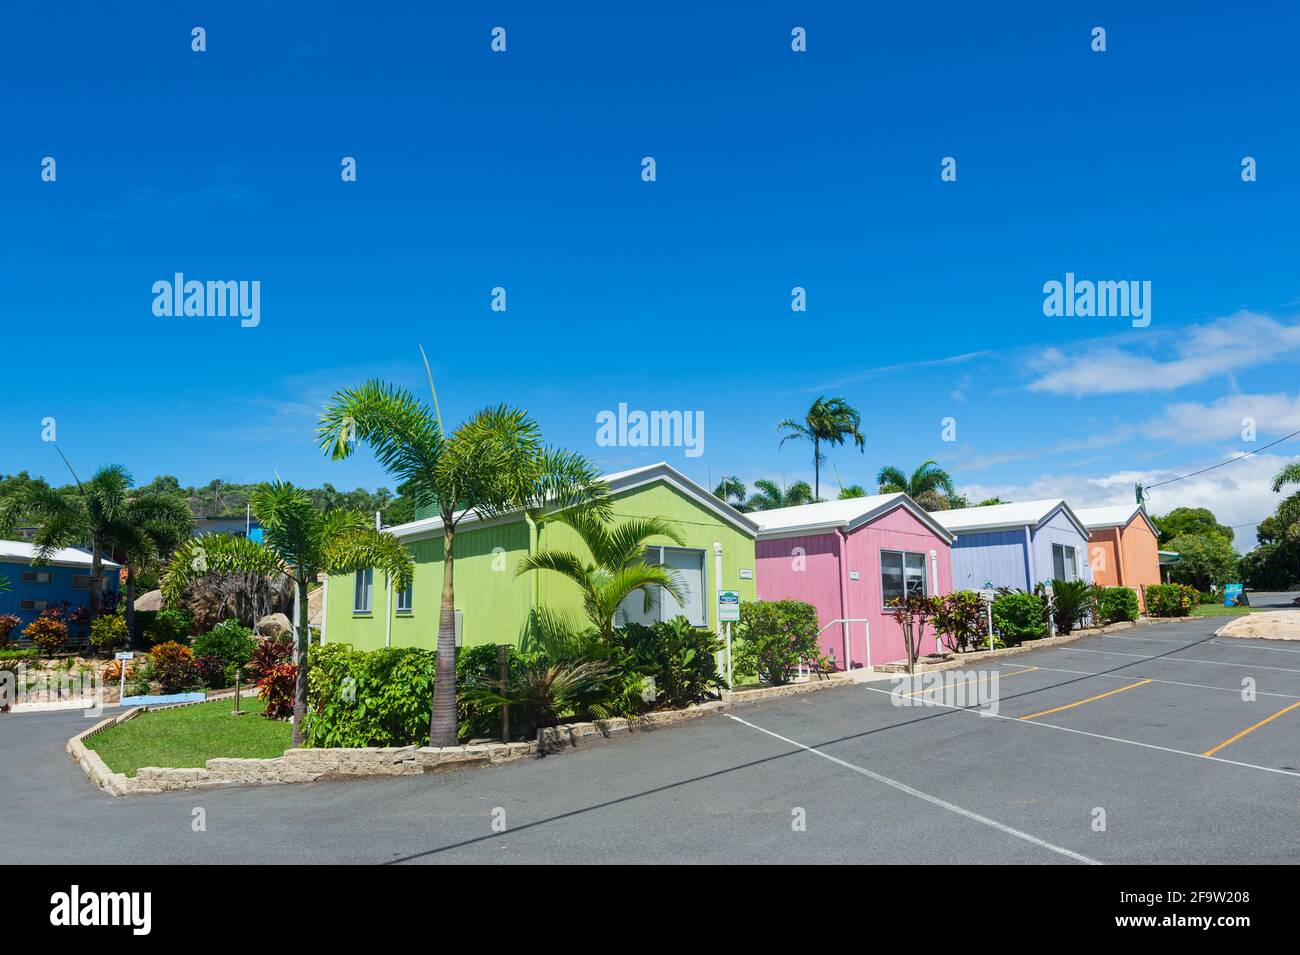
{"x": 1218, "y": 610}
{"x": 189, "y": 736}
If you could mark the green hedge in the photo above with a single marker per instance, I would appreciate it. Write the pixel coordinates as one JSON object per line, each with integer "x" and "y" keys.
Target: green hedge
{"x": 1171, "y": 600}
{"x": 369, "y": 698}
{"x": 1019, "y": 616}
{"x": 773, "y": 638}
{"x": 1116, "y": 604}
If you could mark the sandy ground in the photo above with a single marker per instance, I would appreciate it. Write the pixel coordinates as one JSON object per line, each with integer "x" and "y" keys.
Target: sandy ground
{"x": 1266, "y": 624}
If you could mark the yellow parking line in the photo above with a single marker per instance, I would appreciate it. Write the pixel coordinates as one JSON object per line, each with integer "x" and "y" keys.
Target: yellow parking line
{"x": 1099, "y": 696}
{"x": 1251, "y": 729}
{"x": 944, "y": 686}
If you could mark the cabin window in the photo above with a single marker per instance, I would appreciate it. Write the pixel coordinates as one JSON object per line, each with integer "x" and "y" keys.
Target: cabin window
{"x": 365, "y": 585}
{"x": 404, "y": 599}
{"x": 37, "y": 577}
{"x": 1065, "y": 562}
{"x": 81, "y": 581}
{"x": 33, "y": 604}
{"x": 901, "y": 573}
{"x": 656, "y": 604}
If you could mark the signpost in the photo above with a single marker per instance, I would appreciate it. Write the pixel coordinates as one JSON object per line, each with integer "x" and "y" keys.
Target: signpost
{"x": 122, "y": 656}
{"x": 1232, "y": 595}
{"x": 728, "y": 613}
{"x": 988, "y": 595}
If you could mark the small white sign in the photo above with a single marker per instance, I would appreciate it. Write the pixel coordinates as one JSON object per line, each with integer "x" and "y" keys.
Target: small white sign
{"x": 124, "y": 655}
{"x": 728, "y": 606}
{"x": 746, "y": 573}
{"x": 854, "y": 575}
{"x": 988, "y": 594}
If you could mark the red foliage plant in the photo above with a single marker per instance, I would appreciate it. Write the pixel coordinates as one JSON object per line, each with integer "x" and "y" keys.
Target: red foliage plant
{"x": 275, "y": 688}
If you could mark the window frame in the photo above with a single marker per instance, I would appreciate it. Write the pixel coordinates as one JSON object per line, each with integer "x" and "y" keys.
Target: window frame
{"x": 368, "y": 575}
{"x": 1073, "y": 564}
{"x": 42, "y": 578}
{"x": 404, "y": 607}
{"x": 903, "y": 555}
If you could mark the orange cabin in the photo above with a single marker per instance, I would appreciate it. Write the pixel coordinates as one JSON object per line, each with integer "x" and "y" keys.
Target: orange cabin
{"x": 1123, "y": 547}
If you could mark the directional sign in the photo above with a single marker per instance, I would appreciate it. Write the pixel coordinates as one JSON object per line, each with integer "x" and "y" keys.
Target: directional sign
{"x": 988, "y": 595}
{"x": 728, "y": 606}
{"x": 124, "y": 655}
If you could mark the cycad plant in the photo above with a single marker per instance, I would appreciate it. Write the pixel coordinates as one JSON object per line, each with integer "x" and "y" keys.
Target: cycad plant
{"x": 617, "y": 567}
{"x": 297, "y": 540}
{"x": 1071, "y": 603}
{"x": 492, "y": 464}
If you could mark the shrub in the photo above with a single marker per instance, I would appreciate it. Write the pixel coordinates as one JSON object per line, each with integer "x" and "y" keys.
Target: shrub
{"x": 1071, "y": 602}
{"x": 1019, "y": 616}
{"x": 369, "y": 698}
{"x": 773, "y": 638}
{"x": 267, "y": 655}
{"x": 962, "y": 620}
{"x": 276, "y": 690}
{"x": 1115, "y": 604}
{"x": 108, "y": 633}
{"x": 48, "y": 633}
{"x": 172, "y": 665}
{"x": 231, "y": 642}
{"x": 480, "y": 666}
{"x": 168, "y": 626}
{"x": 543, "y": 692}
{"x": 8, "y": 621}
{"x": 679, "y": 658}
{"x": 1170, "y": 600}
{"x": 210, "y": 670}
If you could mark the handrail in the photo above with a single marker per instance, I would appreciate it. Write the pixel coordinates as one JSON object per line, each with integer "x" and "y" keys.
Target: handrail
{"x": 848, "y": 653}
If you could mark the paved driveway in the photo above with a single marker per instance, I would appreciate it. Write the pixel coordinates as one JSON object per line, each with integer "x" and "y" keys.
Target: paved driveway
{"x": 1097, "y": 753}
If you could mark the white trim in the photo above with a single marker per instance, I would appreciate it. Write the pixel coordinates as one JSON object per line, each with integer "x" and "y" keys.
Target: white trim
{"x": 879, "y": 506}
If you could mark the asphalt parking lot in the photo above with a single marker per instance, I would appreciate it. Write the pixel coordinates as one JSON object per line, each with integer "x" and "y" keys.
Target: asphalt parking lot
{"x": 1137, "y": 747}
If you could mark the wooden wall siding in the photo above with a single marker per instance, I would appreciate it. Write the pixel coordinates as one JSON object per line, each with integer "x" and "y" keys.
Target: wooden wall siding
{"x": 805, "y": 568}
{"x": 999, "y": 556}
{"x": 1058, "y": 530}
{"x": 1103, "y": 558}
{"x": 895, "y": 530}
{"x": 1139, "y": 559}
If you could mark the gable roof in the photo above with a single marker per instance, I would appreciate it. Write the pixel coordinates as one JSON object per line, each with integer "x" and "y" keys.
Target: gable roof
{"x": 1004, "y": 516}
{"x": 846, "y": 515}
{"x": 25, "y": 552}
{"x": 1114, "y": 515}
{"x": 619, "y": 481}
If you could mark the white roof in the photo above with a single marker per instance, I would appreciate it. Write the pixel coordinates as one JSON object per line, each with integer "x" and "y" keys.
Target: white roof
{"x": 618, "y": 481}
{"x": 25, "y": 552}
{"x": 846, "y": 514}
{"x": 1113, "y": 515}
{"x": 995, "y": 516}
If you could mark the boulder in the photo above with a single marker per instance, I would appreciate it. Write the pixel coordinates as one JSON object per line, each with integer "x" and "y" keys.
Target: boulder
{"x": 150, "y": 601}
{"x": 274, "y": 626}
{"x": 246, "y": 597}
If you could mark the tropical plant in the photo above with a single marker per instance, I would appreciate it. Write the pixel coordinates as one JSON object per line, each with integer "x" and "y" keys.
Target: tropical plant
{"x": 494, "y": 463}
{"x": 1115, "y": 604}
{"x": 1203, "y": 560}
{"x": 481, "y": 665}
{"x": 543, "y": 693}
{"x": 774, "y": 638}
{"x": 731, "y": 489}
{"x": 149, "y": 529}
{"x": 108, "y": 632}
{"x": 829, "y": 421}
{"x": 1289, "y": 474}
{"x": 299, "y": 541}
{"x": 770, "y": 496}
{"x": 1019, "y": 616}
{"x": 617, "y": 568}
{"x": 167, "y": 626}
{"x": 913, "y": 612}
{"x": 369, "y": 698}
{"x": 210, "y": 670}
{"x": 229, "y": 640}
{"x": 276, "y": 690}
{"x": 852, "y": 491}
{"x": 1170, "y": 600}
{"x": 1071, "y": 603}
{"x": 929, "y": 485}
{"x": 1190, "y": 520}
{"x": 268, "y": 655}
{"x": 172, "y": 666}
{"x": 48, "y": 633}
{"x": 8, "y": 622}
{"x": 962, "y": 620}
{"x": 678, "y": 658}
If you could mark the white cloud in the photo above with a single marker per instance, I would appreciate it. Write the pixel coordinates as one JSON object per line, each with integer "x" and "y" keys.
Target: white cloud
{"x": 1191, "y": 422}
{"x": 1199, "y": 353}
{"x": 1240, "y": 493}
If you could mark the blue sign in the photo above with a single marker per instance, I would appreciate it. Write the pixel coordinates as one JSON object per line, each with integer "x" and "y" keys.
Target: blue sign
{"x": 1231, "y": 595}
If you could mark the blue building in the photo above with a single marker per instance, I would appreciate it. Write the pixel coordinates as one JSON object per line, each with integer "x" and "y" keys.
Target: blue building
{"x": 65, "y": 577}
{"x": 1016, "y": 545}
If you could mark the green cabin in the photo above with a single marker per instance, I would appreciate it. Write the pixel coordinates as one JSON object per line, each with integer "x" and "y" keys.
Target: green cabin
{"x": 493, "y": 605}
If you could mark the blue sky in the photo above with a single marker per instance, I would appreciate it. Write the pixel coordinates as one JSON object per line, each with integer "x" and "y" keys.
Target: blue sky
{"x": 775, "y": 169}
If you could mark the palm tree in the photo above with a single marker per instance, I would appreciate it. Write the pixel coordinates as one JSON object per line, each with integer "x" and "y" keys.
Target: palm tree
{"x": 151, "y": 527}
{"x": 770, "y": 496}
{"x": 493, "y": 464}
{"x": 829, "y": 421}
{"x": 1290, "y": 474}
{"x": 929, "y": 485}
{"x": 852, "y": 491}
{"x": 731, "y": 489}
{"x": 87, "y": 517}
{"x": 618, "y": 566}
{"x": 299, "y": 541}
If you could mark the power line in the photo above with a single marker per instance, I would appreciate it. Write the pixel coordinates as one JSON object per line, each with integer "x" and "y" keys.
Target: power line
{"x": 1222, "y": 463}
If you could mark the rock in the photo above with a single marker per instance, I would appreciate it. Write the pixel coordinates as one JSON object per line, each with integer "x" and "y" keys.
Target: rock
{"x": 246, "y": 598}
{"x": 274, "y": 626}
{"x": 150, "y": 601}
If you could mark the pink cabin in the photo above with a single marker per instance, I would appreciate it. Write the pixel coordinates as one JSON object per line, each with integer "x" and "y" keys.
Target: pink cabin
{"x": 847, "y": 559}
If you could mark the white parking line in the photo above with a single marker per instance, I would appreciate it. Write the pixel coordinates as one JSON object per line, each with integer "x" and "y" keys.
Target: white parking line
{"x": 1246, "y": 646}
{"x": 1144, "y": 656}
{"x": 1239, "y": 643}
{"x": 1129, "y": 676}
{"x": 933, "y": 800}
{"x": 1111, "y": 739}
